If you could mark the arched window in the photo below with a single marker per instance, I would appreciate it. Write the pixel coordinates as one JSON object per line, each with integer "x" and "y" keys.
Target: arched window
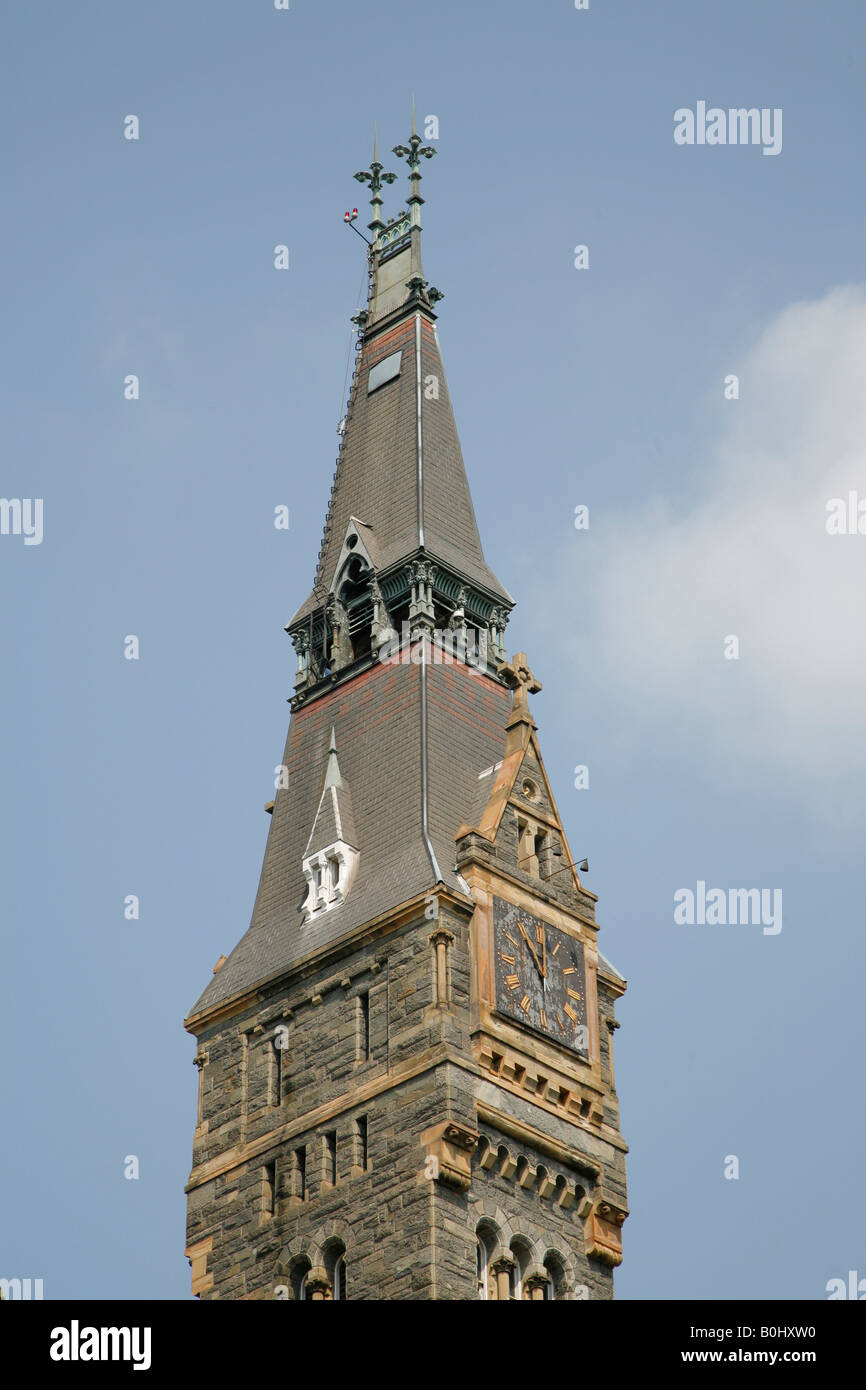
{"x": 335, "y": 1267}
{"x": 555, "y": 1287}
{"x": 298, "y": 1278}
{"x": 357, "y": 601}
{"x": 483, "y": 1256}
{"x": 522, "y": 1260}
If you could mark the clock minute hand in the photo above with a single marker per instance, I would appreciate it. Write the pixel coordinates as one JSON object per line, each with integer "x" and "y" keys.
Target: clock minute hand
{"x": 531, "y": 949}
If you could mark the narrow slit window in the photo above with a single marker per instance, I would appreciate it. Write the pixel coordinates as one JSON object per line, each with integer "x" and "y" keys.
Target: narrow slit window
{"x": 299, "y": 1173}
{"x": 330, "y": 1157}
{"x": 276, "y": 1096}
{"x": 361, "y": 1150}
{"x": 364, "y": 1026}
{"x": 270, "y": 1189}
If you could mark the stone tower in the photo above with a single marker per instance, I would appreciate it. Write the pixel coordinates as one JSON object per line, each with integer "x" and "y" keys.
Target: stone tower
{"x": 406, "y": 1081}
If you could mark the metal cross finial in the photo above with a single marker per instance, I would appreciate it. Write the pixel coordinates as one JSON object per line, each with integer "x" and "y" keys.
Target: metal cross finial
{"x": 375, "y": 178}
{"x": 414, "y": 152}
{"x": 519, "y": 678}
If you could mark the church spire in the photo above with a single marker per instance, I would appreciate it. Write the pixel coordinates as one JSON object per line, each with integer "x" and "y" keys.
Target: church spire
{"x": 418, "y": 1020}
{"x": 401, "y": 543}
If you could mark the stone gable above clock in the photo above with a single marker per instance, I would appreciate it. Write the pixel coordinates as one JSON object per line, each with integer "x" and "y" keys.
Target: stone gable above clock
{"x": 520, "y": 829}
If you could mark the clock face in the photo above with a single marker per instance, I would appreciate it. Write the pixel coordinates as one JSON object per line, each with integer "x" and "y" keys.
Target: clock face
{"x": 540, "y": 976}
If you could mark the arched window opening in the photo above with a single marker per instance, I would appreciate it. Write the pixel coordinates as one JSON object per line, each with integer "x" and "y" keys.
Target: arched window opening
{"x": 485, "y": 1243}
{"x": 335, "y": 1267}
{"x": 354, "y": 594}
{"x": 517, "y": 1274}
{"x": 298, "y": 1279}
{"x": 555, "y": 1289}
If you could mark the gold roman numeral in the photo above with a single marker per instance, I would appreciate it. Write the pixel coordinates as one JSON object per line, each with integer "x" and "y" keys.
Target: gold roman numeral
{"x": 539, "y": 933}
{"x": 555, "y": 949}
{"x": 567, "y": 1009}
{"x": 524, "y": 1004}
{"x": 512, "y": 981}
{"x": 543, "y": 1019}
{"x": 511, "y": 939}
{"x": 568, "y": 970}
{"x": 573, "y": 992}
{"x": 509, "y": 960}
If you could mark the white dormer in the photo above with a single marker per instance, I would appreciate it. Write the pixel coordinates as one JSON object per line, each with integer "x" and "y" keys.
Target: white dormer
{"x": 329, "y": 873}
{"x": 331, "y": 856}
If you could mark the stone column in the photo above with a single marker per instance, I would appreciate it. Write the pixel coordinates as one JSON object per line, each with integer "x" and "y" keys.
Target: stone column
{"x": 318, "y": 1285}
{"x": 441, "y": 940}
{"x": 501, "y": 1269}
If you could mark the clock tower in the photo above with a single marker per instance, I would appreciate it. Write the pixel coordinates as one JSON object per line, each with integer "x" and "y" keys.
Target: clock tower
{"x": 406, "y": 1085}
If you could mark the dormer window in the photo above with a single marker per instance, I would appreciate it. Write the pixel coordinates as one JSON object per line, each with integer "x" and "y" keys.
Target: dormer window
{"x": 328, "y": 874}
{"x": 331, "y": 857}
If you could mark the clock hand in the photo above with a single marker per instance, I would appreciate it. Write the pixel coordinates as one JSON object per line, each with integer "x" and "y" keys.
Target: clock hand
{"x": 531, "y": 948}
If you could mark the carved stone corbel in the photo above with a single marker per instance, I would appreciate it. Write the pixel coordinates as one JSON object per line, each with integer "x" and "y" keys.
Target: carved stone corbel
{"x": 451, "y": 1146}
{"x": 603, "y": 1232}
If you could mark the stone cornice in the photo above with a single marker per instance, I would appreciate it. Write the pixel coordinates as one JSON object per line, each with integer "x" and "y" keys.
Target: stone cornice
{"x": 239, "y": 1154}
{"x": 533, "y": 886}
{"x": 535, "y": 1138}
{"x": 368, "y": 932}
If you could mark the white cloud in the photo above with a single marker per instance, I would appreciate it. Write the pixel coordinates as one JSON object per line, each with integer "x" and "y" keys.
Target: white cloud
{"x": 752, "y": 557}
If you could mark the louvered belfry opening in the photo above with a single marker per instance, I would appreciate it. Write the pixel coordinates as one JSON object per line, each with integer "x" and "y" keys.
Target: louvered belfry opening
{"x": 355, "y": 597}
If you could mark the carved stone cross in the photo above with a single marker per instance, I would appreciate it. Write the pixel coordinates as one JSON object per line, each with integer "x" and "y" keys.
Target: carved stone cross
{"x": 519, "y": 678}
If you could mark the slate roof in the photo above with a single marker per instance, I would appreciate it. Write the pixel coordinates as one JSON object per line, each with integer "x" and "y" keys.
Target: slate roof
{"x": 377, "y": 471}
{"x": 378, "y": 723}
{"x": 334, "y": 818}
{"x": 392, "y": 723}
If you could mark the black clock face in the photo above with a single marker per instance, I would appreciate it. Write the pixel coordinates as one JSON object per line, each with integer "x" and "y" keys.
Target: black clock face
{"x": 540, "y": 976}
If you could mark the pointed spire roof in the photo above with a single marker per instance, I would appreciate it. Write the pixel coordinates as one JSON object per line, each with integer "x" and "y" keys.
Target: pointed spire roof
{"x": 334, "y": 820}
{"x": 400, "y": 469}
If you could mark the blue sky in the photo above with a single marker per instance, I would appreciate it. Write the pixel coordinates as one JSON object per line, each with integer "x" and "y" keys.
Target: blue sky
{"x": 601, "y": 387}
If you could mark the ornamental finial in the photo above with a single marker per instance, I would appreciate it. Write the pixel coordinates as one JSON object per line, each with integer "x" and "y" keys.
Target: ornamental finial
{"x": 375, "y": 178}
{"x": 413, "y": 153}
{"x": 519, "y": 678}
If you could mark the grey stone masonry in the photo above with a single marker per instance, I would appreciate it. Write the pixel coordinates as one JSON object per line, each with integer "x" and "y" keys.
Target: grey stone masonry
{"x": 364, "y": 1040}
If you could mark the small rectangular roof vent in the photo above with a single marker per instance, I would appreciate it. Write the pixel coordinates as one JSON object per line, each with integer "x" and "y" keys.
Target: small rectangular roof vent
{"x": 384, "y": 371}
